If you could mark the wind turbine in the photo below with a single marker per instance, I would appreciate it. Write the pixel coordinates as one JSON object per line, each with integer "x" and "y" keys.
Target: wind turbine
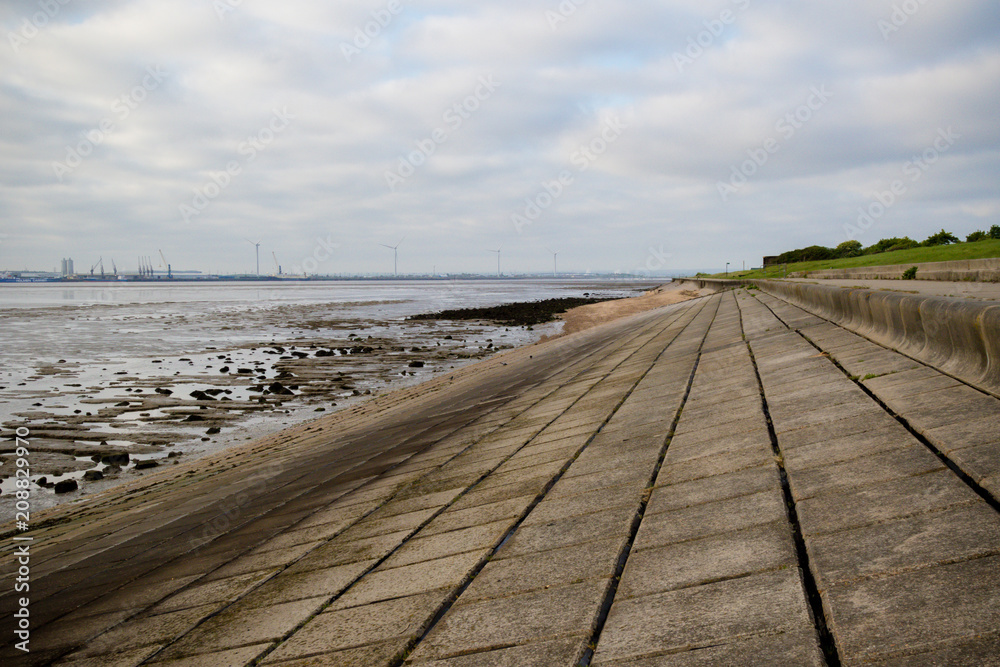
{"x": 394, "y": 253}
{"x": 257, "y": 246}
{"x": 554, "y": 255}
{"x": 497, "y": 251}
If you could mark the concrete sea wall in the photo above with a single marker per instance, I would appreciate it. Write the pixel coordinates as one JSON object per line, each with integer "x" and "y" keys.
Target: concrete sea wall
{"x": 961, "y": 338}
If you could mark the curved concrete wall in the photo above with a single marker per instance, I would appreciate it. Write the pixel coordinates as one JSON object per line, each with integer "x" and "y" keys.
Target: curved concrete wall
{"x": 957, "y": 336}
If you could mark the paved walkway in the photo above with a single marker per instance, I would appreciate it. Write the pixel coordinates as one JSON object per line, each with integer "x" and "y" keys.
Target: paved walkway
{"x": 728, "y": 480}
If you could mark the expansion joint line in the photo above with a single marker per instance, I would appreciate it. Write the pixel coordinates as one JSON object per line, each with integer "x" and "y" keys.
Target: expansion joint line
{"x": 975, "y": 486}
{"x": 640, "y": 513}
{"x": 449, "y": 603}
{"x": 813, "y": 596}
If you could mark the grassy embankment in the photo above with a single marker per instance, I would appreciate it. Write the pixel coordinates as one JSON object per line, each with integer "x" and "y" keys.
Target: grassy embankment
{"x": 941, "y": 253}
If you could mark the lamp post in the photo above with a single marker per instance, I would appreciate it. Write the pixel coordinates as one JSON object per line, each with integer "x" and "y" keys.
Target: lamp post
{"x": 727, "y": 269}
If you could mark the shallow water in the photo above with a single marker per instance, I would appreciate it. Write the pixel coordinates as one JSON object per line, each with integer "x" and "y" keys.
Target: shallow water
{"x": 113, "y": 366}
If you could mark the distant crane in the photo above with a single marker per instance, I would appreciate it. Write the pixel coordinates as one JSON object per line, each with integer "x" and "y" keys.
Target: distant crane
{"x": 166, "y": 266}
{"x": 394, "y": 249}
{"x": 554, "y": 255}
{"x": 100, "y": 263}
{"x": 114, "y": 269}
{"x": 257, "y": 246}
{"x": 497, "y": 251}
{"x": 273, "y": 254}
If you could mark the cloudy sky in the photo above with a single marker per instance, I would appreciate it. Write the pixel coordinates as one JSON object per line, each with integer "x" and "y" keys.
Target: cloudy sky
{"x": 649, "y": 135}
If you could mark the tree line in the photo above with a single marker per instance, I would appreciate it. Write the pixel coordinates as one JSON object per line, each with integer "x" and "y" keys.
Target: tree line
{"x": 855, "y": 249}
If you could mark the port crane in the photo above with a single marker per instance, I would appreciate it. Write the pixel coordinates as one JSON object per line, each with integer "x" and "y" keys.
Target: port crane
{"x": 166, "y": 266}
{"x": 100, "y": 262}
{"x": 273, "y": 254}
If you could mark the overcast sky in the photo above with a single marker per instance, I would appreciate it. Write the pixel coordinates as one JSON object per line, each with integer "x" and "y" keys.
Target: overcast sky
{"x": 626, "y": 136}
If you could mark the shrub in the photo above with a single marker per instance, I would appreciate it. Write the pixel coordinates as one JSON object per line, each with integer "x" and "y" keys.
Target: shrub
{"x": 941, "y": 238}
{"x": 995, "y": 232}
{"x": 910, "y": 273}
{"x": 848, "y": 249}
{"x": 890, "y": 244}
{"x": 976, "y": 236}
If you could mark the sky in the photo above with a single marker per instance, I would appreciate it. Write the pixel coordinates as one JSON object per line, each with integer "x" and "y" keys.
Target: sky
{"x": 648, "y": 137}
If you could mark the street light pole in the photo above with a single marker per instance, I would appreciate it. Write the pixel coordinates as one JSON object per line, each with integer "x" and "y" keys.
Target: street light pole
{"x": 727, "y": 269}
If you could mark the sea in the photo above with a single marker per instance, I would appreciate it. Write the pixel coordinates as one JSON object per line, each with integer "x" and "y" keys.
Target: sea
{"x": 80, "y": 361}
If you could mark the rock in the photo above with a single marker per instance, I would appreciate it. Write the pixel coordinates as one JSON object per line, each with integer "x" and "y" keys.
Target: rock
{"x": 173, "y": 455}
{"x": 416, "y": 364}
{"x": 143, "y": 465}
{"x": 164, "y": 392}
{"x": 449, "y": 337}
{"x": 123, "y": 404}
{"x": 224, "y": 369}
{"x": 245, "y": 371}
{"x": 199, "y": 395}
{"x": 42, "y": 481}
{"x": 213, "y": 430}
{"x": 115, "y": 458}
{"x": 93, "y": 475}
{"x": 66, "y": 486}
{"x": 320, "y": 410}
{"x": 194, "y": 418}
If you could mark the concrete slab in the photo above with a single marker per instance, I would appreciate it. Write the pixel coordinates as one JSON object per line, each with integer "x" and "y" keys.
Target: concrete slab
{"x": 891, "y": 547}
{"x": 614, "y": 522}
{"x": 982, "y": 650}
{"x": 560, "y": 507}
{"x": 491, "y": 624}
{"x": 783, "y": 648}
{"x": 340, "y": 629}
{"x": 714, "y": 613}
{"x": 513, "y": 576}
{"x": 681, "y": 565}
{"x": 969, "y": 433}
{"x": 218, "y": 590}
{"x": 881, "y": 502}
{"x": 820, "y": 454}
{"x": 540, "y": 654}
{"x": 474, "y": 538}
{"x": 236, "y": 657}
{"x": 876, "y": 468}
{"x": 241, "y": 626}
{"x": 718, "y": 487}
{"x": 262, "y": 561}
{"x": 675, "y": 471}
{"x": 474, "y": 516}
{"x": 879, "y": 616}
{"x": 697, "y": 521}
{"x": 337, "y": 552}
{"x": 146, "y": 631}
{"x": 387, "y": 583}
{"x": 315, "y": 583}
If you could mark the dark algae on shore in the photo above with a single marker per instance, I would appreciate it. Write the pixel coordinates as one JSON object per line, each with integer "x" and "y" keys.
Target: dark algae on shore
{"x": 523, "y": 313}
